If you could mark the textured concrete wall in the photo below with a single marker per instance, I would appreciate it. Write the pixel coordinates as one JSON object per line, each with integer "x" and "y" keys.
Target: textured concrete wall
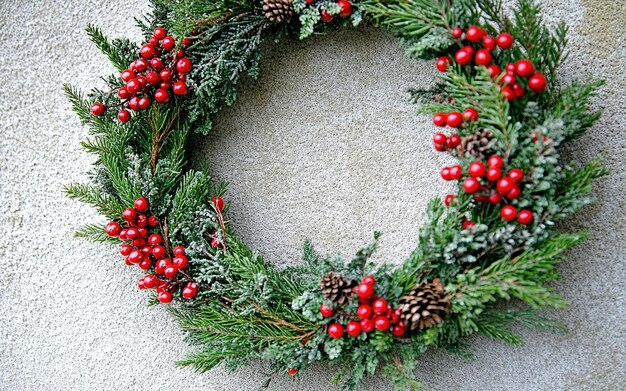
{"x": 323, "y": 147}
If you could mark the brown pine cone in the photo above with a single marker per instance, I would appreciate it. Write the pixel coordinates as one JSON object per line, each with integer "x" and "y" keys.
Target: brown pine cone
{"x": 425, "y": 306}
{"x": 337, "y": 288}
{"x": 278, "y": 11}
{"x": 479, "y": 145}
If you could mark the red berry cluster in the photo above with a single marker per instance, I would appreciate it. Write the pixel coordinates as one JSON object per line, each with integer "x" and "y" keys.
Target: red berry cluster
{"x": 454, "y": 120}
{"x": 144, "y": 249}
{"x": 373, "y": 313}
{"x": 488, "y": 184}
{"x": 346, "y": 10}
{"x": 158, "y": 72}
{"x": 482, "y": 55}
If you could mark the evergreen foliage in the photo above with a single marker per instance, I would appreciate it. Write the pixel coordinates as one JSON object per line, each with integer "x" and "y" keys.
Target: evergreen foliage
{"x": 248, "y": 308}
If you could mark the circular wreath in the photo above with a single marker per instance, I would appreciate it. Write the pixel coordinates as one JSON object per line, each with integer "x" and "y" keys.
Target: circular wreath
{"x": 503, "y": 117}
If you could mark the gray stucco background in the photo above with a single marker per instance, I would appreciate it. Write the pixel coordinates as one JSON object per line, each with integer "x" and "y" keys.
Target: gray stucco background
{"x": 324, "y": 146}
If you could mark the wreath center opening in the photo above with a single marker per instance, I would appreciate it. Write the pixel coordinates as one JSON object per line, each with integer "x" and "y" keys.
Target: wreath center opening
{"x": 327, "y": 146}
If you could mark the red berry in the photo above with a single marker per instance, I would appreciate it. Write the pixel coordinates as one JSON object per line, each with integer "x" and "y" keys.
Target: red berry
{"x": 380, "y": 306}
{"x": 483, "y": 57}
{"x": 508, "y": 93}
{"x": 123, "y": 115}
{"x": 155, "y": 239}
{"x": 516, "y": 174}
{"x": 141, "y": 65}
{"x": 494, "y": 198}
{"x": 514, "y": 193}
{"x": 353, "y": 328}
{"x": 477, "y": 170}
{"x": 133, "y": 103}
{"x": 326, "y": 17}
{"x": 179, "y": 88}
{"x": 453, "y": 141}
{"x": 474, "y": 34}
{"x": 132, "y": 233}
{"x": 382, "y": 323}
{"x": 161, "y": 96}
{"x": 448, "y": 200}
{"x": 364, "y": 311}
{"x": 141, "y": 204}
{"x": 518, "y": 90}
{"x": 158, "y": 252}
{"x": 335, "y": 330}
{"x": 440, "y": 147}
{"x": 367, "y": 325}
{"x": 123, "y": 93}
{"x": 183, "y": 65}
{"x": 440, "y": 119}
{"x": 123, "y": 235}
{"x": 168, "y": 43}
{"x": 156, "y": 64}
{"x": 218, "y": 202}
{"x": 525, "y": 216}
{"x": 146, "y": 251}
{"x": 125, "y": 249}
{"x": 489, "y": 42}
{"x": 346, "y": 8}
{"x": 150, "y": 281}
{"x": 445, "y": 174}
{"x": 135, "y": 256}
{"x": 456, "y": 172}
{"x": 178, "y": 251}
{"x": 470, "y": 114}
{"x": 463, "y": 57}
{"x": 468, "y": 224}
{"x": 127, "y": 75}
{"x": 159, "y": 33}
{"x": 145, "y": 264}
{"x": 164, "y": 297}
{"x": 439, "y": 138}
{"x": 369, "y": 280}
{"x": 537, "y": 83}
{"x": 326, "y": 311}
{"x": 147, "y": 51}
{"x": 170, "y": 271}
{"x": 292, "y": 371}
{"x": 141, "y": 284}
{"x": 508, "y": 212}
{"x": 180, "y": 262}
{"x": 153, "y": 221}
{"x": 190, "y": 290}
{"x": 129, "y": 214}
{"x": 495, "y": 161}
{"x": 454, "y": 119}
{"x": 398, "y": 330}
{"x": 98, "y": 109}
{"x": 161, "y": 265}
{"x": 494, "y": 70}
{"x": 457, "y": 32}
{"x": 113, "y": 229}
{"x": 133, "y": 86}
{"x": 471, "y": 185}
{"x": 504, "y": 185}
{"x": 524, "y": 68}
{"x": 365, "y": 291}
{"x": 493, "y": 174}
{"x": 166, "y": 75}
{"x": 215, "y": 243}
{"x": 505, "y": 40}
{"x": 442, "y": 63}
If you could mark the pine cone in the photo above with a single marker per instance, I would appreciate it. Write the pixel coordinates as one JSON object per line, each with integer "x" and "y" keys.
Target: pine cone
{"x": 337, "y": 288}
{"x": 479, "y": 145}
{"x": 425, "y": 306}
{"x": 278, "y": 11}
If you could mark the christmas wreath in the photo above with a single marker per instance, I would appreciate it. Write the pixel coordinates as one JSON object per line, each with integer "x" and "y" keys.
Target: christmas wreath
{"x": 503, "y": 115}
